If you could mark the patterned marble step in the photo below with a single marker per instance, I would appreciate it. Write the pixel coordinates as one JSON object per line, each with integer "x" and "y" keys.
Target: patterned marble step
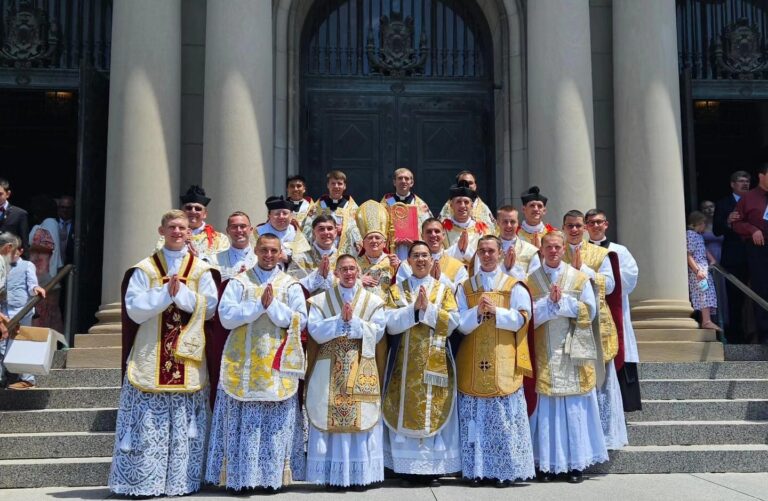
{"x": 697, "y": 432}
{"x": 59, "y": 398}
{"x": 745, "y": 458}
{"x": 58, "y": 420}
{"x": 65, "y": 472}
{"x": 82, "y": 378}
{"x": 701, "y": 410}
{"x": 682, "y": 389}
{"x": 746, "y": 352}
{"x": 56, "y": 445}
{"x": 705, "y": 370}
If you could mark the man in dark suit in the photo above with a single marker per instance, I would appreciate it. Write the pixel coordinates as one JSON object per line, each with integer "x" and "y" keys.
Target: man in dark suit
{"x": 12, "y": 218}
{"x": 734, "y": 256}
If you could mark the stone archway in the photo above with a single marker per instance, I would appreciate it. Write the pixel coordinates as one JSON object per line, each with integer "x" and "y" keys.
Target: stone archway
{"x": 506, "y": 23}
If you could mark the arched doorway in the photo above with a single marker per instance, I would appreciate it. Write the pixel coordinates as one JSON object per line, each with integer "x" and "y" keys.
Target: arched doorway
{"x": 387, "y": 84}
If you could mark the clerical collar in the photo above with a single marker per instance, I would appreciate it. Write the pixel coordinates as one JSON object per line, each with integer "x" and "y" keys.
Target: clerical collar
{"x": 575, "y": 246}
{"x": 334, "y": 204}
{"x": 548, "y": 270}
{"x": 375, "y": 260}
{"x": 418, "y": 282}
{"x": 504, "y": 241}
{"x": 347, "y": 294}
{"x": 532, "y": 229}
{"x": 297, "y": 205}
{"x": 240, "y": 253}
{"x": 324, "y": 252}
{"x": 265, "y": 275}
{"x": 406, "y": 199}
{"x": 491, "y": 273}
{"x": 437, "y": 255}
{"x": 602, "y": 243}
{"x": 469, "y": 222}
{"x": 174, "y": 254}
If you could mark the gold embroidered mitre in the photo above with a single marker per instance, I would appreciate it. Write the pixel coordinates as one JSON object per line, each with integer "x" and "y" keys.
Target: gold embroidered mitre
{"x": 372, "y": 217}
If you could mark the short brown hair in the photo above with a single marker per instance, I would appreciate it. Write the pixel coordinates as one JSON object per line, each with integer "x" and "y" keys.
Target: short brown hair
{"x": 238, "y": 213}
{"x": 695, "y": 218}
{"x": 336, "y": 174}
{"x": 552, "y": 234}
{"x": 506, "y": 208}
{"x": 490, "y": 238}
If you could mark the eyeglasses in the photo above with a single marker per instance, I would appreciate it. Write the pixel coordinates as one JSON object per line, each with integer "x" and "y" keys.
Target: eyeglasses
{"x": 596, "y": 222}
{"x": 194, "y": 208}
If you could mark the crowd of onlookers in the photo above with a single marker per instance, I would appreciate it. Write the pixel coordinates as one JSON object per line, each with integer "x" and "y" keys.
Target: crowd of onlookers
{"x": 35, "y": 244}
{"x": 730, "y": 233}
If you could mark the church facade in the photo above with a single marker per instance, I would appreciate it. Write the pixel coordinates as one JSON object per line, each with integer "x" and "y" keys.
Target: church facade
{"x": 579, "y": 97}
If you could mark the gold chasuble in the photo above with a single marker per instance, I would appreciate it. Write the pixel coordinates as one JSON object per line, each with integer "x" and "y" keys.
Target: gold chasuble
{"x": 524, "y": 252}
{"x": 167, "y": 353}
{"x": 491, "y": 361}
{"x": 421, "y": 391}
{"x": 566, "y": 349}
{"x": 593, "y": 256}
{"x": 262, "y": 361}
{"x": 348, "y": 233}
{"x": 450, "y": 266}
{"x": 343, "y": 389}
{"x": 304, "y": 263}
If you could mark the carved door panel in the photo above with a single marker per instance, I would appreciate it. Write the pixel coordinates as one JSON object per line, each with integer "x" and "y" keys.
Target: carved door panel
{"x": 440, "y": 135}
{"x": 352, "y": 133}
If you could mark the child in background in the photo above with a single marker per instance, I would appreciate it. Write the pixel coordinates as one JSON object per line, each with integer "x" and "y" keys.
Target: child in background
{"x": 21, "y": 287}
{"x": 701, "y": 287}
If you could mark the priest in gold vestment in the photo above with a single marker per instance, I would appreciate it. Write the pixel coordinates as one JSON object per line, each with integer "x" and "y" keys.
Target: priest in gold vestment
{"x": 376, "y": 266}
{"x": 480, "y": 211}
{"x": 342, "y": 207}
{"x": 314, "y": 267}
{"x": 343, "y": 400}
{"x": 405, "y": 198}
{"x": 421, "y": 439}
{"x": 491, "y": 362}
{"x": 257, "y": 437}
{"x": 597, "y": 262}
{"x": 462, "y": 231}
{"x": 163, "y": 415}
{"x": 566, "y": 430}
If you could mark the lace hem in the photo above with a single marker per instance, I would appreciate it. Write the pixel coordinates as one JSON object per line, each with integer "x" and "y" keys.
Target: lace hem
{"x": 344, "y": 474}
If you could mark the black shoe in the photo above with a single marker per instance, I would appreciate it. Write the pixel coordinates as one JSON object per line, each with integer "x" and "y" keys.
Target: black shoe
{"x": 475, "y": 482}
{"x": 504, "y": 483}
{"x": 574, "y": 477}
{"x": 435, "y": 482}
{"x": 544, "y": 477}
{"x": 359, "y": 488}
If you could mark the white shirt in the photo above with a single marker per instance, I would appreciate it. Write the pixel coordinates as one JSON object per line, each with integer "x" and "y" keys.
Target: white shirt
{"x": 232, "y": 260}
{"x": 532, "y": 229}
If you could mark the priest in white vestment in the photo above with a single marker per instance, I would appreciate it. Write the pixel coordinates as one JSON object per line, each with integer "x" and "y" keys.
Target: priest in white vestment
{"x": 162, "y": 420}
{"x": 240, "y": 255}
{"x": 257, "y": 438}
{"x": 343, "y": 403}
{"x": 565, "y": 427}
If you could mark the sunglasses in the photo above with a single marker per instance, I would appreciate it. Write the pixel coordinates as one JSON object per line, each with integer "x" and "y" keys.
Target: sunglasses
{"x": 195, "y": 208}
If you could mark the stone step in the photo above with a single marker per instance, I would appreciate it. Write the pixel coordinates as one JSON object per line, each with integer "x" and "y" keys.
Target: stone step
{"x": 700, "y": 335}
{"x": 58, "y": 420}
{"x": 59, "y": 398}
{"x": 98, "y": 340}
{"x": 683, "y": 389}
{"x": 697, "y": 432}
{"x": 701, "y": 410}
{"x": 70, "y": 378}
{"x": 63, "y": 472}
{"x": 109, "y": 358}
{"x": 746, "y": 352}
{"x": 56, "y": 445}
{"x": 704, "y": 370}
{"x": 680, "y": 351}
{"x": 744, "y": 458}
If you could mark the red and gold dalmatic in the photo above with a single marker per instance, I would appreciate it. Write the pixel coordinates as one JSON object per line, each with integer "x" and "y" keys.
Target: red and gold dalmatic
{"x": 608, "y": 316}
{"x": 167, "y": 353}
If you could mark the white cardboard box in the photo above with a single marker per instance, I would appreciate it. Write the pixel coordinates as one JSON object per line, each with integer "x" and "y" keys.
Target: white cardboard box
{"x": 31, "y": 351}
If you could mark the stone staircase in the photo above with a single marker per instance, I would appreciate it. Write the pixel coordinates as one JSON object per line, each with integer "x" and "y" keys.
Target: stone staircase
{"x": 697, "y": 417}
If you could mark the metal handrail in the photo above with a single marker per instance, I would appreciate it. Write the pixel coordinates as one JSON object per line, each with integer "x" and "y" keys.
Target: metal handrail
{"x": 66, "y": 270}
{"x": 741, "y": 286}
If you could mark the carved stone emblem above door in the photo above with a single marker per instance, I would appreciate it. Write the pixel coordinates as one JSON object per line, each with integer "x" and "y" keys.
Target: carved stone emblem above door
{"x": 30, "y": 37}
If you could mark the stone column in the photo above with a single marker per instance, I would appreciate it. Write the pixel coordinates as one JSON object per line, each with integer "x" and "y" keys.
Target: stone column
{"x": 238, "y": 133}
{"x": 560, "y": 116}
{"x": 143, "y": 143}
{"x": 649, "y": 171}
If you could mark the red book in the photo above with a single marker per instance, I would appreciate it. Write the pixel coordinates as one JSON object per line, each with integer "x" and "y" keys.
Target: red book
{"x": 405, "y": 221}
